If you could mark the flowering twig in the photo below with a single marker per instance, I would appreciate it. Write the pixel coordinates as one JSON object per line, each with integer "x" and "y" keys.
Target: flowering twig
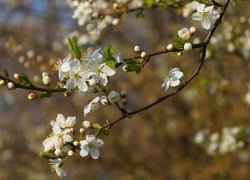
{"x": 203, "y": 46}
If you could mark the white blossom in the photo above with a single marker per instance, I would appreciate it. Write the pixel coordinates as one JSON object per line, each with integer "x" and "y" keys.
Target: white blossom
{"x": 92, "y": 106}
{"x": 63, "y": 66}
{"x": 173, "y": 78}
{"x": 90, "y": 146}
{"x": 56, "y": 165}
{"x": 61, "y": 133}
{"x": 205, "y": 15}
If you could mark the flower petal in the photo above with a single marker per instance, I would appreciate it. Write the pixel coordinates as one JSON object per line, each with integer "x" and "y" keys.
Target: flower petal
{"x": 84, "y": 151}
{"x": 94, "y": 153}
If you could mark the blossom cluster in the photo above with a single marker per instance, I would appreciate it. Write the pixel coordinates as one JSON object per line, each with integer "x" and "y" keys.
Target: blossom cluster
{"x": 84, "y": 73}
{"x": 230, "y": 139}
{"x": 205, "y": 14}
{"x": 97, "y": 15}
{"x": 61, "y": 143}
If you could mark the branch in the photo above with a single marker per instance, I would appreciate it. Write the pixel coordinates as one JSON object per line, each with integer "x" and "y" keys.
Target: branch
{"x": 203, "y": 46}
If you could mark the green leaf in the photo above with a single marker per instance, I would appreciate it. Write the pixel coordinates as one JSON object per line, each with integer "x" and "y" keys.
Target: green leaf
{"x": 44, "y": 95}
{"x": 6, "y": 73}
{"x": 26, "y": 80}
{"x": 46, "y": 155}
{"x": 133, "y": 66}
{"x": 74, "y": 47}
{"x": 108, "y": 52}
{"x": 96, "y": 126}
{"x": 178, "y": 42}
{"x": 149, "y": 2}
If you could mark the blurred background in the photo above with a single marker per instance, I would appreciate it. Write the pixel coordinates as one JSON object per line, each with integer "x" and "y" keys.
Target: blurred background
{"x": 156, "y": 144}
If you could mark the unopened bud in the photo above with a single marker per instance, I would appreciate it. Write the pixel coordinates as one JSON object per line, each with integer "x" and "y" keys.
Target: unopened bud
{"x": 67, "y": 93}
{"x": 58, "y": 152}
{"x": 124, "y": 93}
{"x": 76, "y": 143}
{"x": 70, "y": 153}
{"x": 18, "y": 77}
{"x": 2, "y": 82}
{"x": 82, "y": 131}
{"x": 104, "y": 101}
{"x": 137, "y": 49}
{"x": 86, "y": 124}
{"x": 124, "y": 101}
{"x": 125, "y": 68}
{"x": 113, "y": 96}
{"x": 170, "y": 47}
{"x": 93, "y": 82}
{"x": 32, "y": 96}
{"x": 46, "y": 78}
{"x": 115, "y": 21}
{"x": 192, "y": 30}
{"x": 187, "y": 46}
{"x": 10, "y": 85}
{"x": 143, "y": 54}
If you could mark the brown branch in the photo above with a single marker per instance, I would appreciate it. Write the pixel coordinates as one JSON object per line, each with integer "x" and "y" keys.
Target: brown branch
{"x": 201, "y": 62}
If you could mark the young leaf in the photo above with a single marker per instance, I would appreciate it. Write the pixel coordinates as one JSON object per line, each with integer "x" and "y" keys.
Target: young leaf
{"x": 74, "y": 47}
{"x": 6, "y": 73}
{"x": 108, "y": 52}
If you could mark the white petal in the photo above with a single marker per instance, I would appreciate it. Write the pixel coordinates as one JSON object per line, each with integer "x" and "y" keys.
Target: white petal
{"x": 67, "y": 138}
{"x": 90, "y": 138}
{"x": 209, "y": 9}
{"x": 84, "y": 151}
{"x": 83, "y": 87}
{"x": 71, "y": 84}
{"x": 60, "y": 172}
{"x": 103, "y": 79}
{"x": 94, "y": 153}
{"x": 206, "y": 24}
{"x": 107, "y": 70}
{"x": 83, "y": 143}
{"x": 98, "y": 143}
{"x": 65, "y": 67}
{"x": 70, "y": 121}
{"x": 87, "y": 110}
{"x": 175, "y": 83}
{"x": 60, "y": 119}
{"x": 196, "y": 16}
{"x": 166, "y": 85}
{"x": 200, "y": 7}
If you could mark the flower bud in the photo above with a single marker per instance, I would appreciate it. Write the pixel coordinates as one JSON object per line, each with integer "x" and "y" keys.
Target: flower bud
{"x": 192, "y": 30}
{"x": 2, "y": 82}
{"x": 32, "y": 96}
{"x": 113, "y": 96}
{"x": 143, "y": 54}
{"x": 124, "y": 101}
{"x": 46, "y": 78}
{"x": 187, "y": 46}
{"x": 76, "y": 143}
{"x": 10, "y": 85}
{"x": 137, "y": 49}
{"x": 70, "y": 153}
{"x": 67, "y": 93}
{"x": 82, "y": 131}
{"x": 58, "y": 152}
{"x": 184, "y": 33}
{"x": 124, "y": 93}
{"x": 18, "y": 77}
{"x": 125, "y": 68}
{"x": 86, "y": 124}
{"x": 115, "y": 21}
{"x": 170, "y": 47}
{"x": 93, "y": 81}
{"x": 104, "y": 101}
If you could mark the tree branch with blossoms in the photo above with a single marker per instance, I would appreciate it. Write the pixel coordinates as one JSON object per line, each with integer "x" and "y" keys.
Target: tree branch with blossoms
{"x": 89, "y": 72}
